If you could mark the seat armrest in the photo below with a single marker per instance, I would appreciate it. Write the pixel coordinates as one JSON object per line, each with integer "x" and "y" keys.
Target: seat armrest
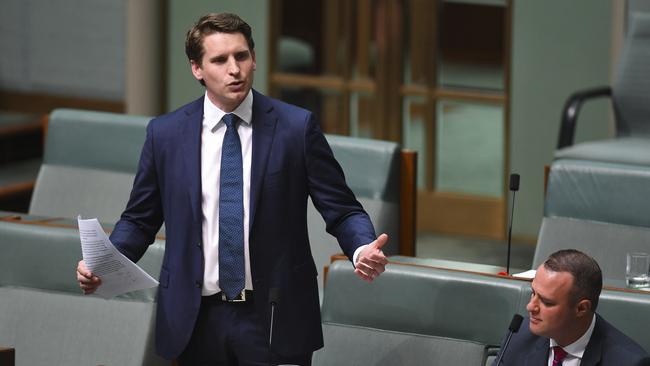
{"x": 572, "y": 109}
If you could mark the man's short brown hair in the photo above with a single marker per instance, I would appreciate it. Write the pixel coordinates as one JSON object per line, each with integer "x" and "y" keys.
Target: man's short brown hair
{"x": 587, "y": 276}
{"x": 214, "y": 23}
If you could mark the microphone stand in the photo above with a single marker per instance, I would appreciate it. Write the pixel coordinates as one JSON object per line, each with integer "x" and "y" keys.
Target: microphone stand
{"x": 514, "y": 187}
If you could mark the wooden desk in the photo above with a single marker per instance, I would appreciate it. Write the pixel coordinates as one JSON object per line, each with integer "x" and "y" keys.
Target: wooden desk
{"x": 7, "y": 356}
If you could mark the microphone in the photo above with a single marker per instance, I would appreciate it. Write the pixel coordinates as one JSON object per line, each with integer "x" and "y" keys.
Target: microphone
{"x": 274, "y": 300}
{"x": 514, "y": 187}
{"x": 515, "y": 323}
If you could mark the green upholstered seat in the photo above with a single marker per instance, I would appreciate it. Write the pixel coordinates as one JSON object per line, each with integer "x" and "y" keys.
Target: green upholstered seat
{"x": 600, "y": 208}
{"x": 46, "y": 318}
{"x": 89, "y": 163}
{"x": 439, "y": 314}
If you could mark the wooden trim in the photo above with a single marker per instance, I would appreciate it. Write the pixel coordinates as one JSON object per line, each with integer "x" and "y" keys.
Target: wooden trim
{"x": 468, "y": 95}
{"x": 507, "y": 277}
{"x": 408, "y": 176}
{"x": 415, "y": 90}
{"x": 279, "y": 79}
{"x": 547, "y": 172}
{"x": 275, "y": 21}
{"x": 23, "y": 128}
{"x": 7, "y": 356}
{"x": 453, "y": 213}
{"x": 308, "y": 81}
{"x": 47, "y": 223}
{"x": 363, "y": 39}
{"x": 14, "y": 189}
{"x": 45, "y": 103}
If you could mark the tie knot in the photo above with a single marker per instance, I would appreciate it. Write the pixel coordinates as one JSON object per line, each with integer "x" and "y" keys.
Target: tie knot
{"x": 558, "y": 355}
{"x": 229, "y": 119}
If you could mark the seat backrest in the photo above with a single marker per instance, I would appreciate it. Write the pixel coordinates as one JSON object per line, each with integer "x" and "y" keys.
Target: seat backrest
{"x": 600, "y": 208}
{"x": 45, "y": 317}
{"x": 631, "y": 91}
{"x": 627, "y": 311}
{"x": 424, "y": 300}
{"x": 393, "y": 348}
{"x": 89, "y": 163}
{"x": 372, "y": 171}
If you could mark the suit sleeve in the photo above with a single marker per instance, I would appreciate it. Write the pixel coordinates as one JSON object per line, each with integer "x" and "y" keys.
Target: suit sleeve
{"x": 344, "y": 216}
{"x": 143, "y": 215}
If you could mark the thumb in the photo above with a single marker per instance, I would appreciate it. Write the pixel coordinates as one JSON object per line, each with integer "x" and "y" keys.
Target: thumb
{"x": 381, "y": 241}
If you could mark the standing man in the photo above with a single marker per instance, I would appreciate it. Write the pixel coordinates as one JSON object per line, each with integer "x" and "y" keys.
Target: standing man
{"x": 563, "y": 327}
{"x": 229, "y": 174}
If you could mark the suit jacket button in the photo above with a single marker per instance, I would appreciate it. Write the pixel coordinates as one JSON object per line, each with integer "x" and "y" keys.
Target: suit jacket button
{"x": 198, "y": 284}
{"x": 198, "y": 244}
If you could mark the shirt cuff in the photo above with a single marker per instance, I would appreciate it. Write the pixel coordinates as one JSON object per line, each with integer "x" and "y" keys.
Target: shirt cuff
{"x": 355, "y": 256}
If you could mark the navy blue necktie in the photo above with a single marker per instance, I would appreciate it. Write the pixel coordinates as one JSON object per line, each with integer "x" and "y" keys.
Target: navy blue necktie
{"x": 231, "y": 213}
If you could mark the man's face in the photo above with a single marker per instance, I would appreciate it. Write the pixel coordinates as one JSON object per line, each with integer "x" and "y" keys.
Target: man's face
{"x": 227, "y": 68}
{"x": 552, "y": 312}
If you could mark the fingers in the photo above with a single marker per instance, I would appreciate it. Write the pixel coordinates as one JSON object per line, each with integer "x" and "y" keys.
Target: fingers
{"x": 87, "y": 281}
{"x": 370, "y": 267}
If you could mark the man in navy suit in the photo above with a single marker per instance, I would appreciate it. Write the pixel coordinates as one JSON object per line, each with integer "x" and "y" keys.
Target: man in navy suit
{"x": 563, "y": 327}
{"x": 229, "y": 174}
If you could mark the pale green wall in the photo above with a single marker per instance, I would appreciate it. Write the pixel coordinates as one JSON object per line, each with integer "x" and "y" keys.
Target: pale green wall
{"x": 559, "y": 47}
{"x": 181, "y": 85}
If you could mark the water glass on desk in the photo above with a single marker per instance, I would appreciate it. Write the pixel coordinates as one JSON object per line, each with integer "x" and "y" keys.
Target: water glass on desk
{"x": 636, "y": 270}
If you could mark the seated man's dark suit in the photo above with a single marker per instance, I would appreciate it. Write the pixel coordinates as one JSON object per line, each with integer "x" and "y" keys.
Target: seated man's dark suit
{"x": 607, "y": 347}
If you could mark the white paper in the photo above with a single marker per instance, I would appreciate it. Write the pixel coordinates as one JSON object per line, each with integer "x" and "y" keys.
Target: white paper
{"x": 118, "y": 274}
{"x": 528, "y": 274}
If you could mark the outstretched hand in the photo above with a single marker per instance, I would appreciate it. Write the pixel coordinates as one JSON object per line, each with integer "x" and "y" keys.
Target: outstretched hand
{"x": 372, "y": 261}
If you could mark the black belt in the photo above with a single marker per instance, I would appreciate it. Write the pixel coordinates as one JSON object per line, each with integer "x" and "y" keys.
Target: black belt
{"x": 244, "y": 296}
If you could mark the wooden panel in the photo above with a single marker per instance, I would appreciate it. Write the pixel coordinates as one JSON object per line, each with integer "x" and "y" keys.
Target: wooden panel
{"x": 473, "y": 95}
{"x": 408, "y": 176}
{"x": 452, "y": 213}
{"x": 7, "y": 356}
{"x": 44, "y": 103}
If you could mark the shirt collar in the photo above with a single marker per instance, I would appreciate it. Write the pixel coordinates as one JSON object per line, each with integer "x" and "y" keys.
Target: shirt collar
{"x": 212, "y": 114}
{"x": 577, "y": 348}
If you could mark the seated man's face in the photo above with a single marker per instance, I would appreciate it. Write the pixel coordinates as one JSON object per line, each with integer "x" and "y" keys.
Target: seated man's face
{"x": 551, "y": 309}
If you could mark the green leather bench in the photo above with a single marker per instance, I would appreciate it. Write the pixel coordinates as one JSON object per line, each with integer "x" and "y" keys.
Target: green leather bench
{"x": 414, "y": 314}
{"x": 600, "y": 208}
{"x": 46, "y": 318}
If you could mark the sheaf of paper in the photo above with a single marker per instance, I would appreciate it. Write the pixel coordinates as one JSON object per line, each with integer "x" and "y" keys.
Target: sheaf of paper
{"x": 118, "y": 274}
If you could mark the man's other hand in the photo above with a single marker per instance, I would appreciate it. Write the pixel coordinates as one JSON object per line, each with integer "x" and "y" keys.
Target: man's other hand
{"x": 372, "y": 261}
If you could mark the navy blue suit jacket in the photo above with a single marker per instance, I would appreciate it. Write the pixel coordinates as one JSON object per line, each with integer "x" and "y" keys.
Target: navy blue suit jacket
{"x": 291, "y": 160}
{"x": 607, "y": 346}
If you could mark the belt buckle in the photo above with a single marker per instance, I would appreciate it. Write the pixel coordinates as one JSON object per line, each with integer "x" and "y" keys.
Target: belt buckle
{"x": 240, "y": 298}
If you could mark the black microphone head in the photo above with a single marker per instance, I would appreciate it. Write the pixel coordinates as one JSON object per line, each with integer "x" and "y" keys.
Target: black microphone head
{"x": 514, "y": 182}
{"x": 515, "y": 323}
{"x": 274, "y": 295}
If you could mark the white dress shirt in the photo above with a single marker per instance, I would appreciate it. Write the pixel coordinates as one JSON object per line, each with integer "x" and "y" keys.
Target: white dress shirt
{"x": 575, "y": 350}
{"x": 212, "y": 134}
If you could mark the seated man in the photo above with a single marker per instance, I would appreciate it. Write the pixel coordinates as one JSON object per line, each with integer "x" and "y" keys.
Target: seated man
{"x": 563, "y": 327}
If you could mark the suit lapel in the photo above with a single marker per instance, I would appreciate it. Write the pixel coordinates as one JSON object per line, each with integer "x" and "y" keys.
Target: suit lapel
{"x": 190, "y": 130}
{"x": 264, "y": 121}
{"x": 593, "y": 352}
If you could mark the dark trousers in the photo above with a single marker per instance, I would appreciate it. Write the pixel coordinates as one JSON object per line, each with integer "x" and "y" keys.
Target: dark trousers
{"x": 232, "y": 334}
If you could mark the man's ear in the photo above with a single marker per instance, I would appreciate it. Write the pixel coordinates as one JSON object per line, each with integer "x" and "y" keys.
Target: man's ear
{"x": 197, "y": 71}
{"x": 583, "y": 308}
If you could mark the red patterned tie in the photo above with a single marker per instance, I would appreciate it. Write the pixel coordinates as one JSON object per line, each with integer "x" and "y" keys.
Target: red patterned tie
{"x": 558, "y": 355}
